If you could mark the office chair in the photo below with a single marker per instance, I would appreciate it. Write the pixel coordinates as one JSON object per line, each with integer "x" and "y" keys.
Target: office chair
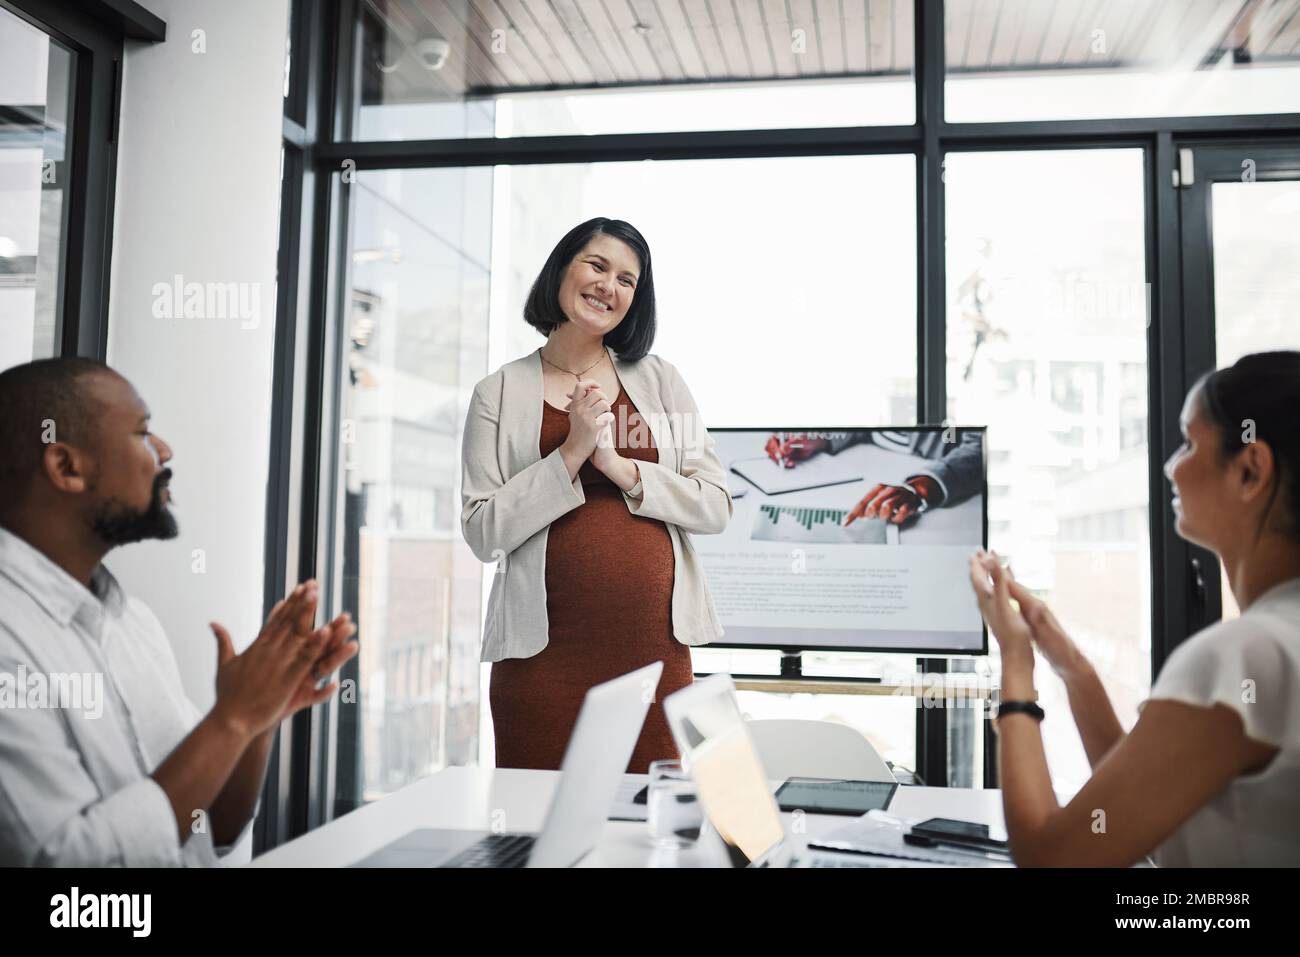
{"x": 816, "y": 749}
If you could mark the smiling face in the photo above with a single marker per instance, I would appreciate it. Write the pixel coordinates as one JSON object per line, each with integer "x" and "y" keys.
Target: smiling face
{"x": 599, "y": 285}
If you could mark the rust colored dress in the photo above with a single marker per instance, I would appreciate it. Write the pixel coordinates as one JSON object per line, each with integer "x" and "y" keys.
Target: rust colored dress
{"x": 609, "y": 590}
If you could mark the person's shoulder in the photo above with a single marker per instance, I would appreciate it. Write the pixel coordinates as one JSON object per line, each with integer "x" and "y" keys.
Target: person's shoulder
{"x": 11, "y": 593}
{"x": 528, "y": 359}
{"x": 148, "y": 632}
{"x": 656, "y": 365}
{"x": 492, "y": 382}
{"x": 1251, "y": 644}
{"x": 11, "y": 645}
{"x": 22, "y": 620}
{"x": 139, "y": 610}
{"x": 1245, "y": 664}
{"x": 145, "y": 621}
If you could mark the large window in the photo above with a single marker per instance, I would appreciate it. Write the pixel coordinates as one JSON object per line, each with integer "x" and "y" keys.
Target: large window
{"x": 1256, "y": 283}
{"x": 60, "y": 79}
{"x": 36, "y": 93}
{"x": 1256, "y": 242}
{"x": 792, "y": 287}
{"x": 415, "y": 341}
{"x": 762, "y": 268}
{"x": 441, "y": 262}
{"x": 1047, "y": 321}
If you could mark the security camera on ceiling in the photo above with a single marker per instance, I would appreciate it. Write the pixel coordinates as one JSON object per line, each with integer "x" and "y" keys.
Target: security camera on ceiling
{"x": 432, "y": 52}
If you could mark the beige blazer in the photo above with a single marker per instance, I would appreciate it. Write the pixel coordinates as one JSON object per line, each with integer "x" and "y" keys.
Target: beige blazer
{"x": 510, "y": 495}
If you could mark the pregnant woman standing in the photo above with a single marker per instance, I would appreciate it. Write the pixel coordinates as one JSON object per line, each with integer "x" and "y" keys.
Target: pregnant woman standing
{"x": 585, "y": 469}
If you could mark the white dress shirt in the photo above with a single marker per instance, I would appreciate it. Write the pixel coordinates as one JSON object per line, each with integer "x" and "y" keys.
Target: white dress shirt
{"x": 1250, "y": 664}
{"x": 75, "y": 788}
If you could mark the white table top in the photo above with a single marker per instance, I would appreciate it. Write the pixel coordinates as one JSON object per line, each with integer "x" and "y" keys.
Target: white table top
{"x": 475, "y": 798}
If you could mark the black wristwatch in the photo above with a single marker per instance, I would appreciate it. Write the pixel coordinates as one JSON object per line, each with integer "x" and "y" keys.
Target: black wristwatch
{"x": 1030, "y": 708}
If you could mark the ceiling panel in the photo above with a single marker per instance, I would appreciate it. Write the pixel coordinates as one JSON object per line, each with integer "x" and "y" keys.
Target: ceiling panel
{"x": 552, "y": 44}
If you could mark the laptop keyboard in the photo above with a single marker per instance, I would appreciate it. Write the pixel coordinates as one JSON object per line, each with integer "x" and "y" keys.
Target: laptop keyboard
{"x": 838, "y": 862}
{"x": 496, "y": 850}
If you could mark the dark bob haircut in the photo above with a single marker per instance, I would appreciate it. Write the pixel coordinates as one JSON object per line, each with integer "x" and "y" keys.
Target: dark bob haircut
{"x": 1262, "y": 389}
{"x": 634, "y": 336}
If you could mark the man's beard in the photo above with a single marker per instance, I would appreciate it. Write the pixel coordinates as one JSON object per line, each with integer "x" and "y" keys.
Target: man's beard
{"x": 118, "y": 524}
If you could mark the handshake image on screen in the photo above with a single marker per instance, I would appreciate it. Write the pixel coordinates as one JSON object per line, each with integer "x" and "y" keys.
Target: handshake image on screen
{"x": 850, "y": 538}
{"x": 953, "y": 476}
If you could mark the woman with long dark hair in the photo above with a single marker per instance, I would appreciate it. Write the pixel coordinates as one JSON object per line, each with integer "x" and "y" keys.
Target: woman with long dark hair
{"x": 1210, "y": 774}
{"x": 585, "y": 468}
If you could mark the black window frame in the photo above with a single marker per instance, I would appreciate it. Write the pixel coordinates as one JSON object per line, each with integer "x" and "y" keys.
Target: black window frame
{"x": 329, "y": 35}
{"x": 1213, "y": 162}
{"x": 95, "y": 31}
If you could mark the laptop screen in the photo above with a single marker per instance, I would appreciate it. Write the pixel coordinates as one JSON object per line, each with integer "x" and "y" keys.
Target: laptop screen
{"x": 720, "y": 754}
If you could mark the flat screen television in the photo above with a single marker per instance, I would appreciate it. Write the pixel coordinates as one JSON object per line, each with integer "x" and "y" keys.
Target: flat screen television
{"x": 799, "y": 566}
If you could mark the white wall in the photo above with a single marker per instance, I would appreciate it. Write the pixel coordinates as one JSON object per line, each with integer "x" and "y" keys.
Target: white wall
{"x": 197, "y": 195}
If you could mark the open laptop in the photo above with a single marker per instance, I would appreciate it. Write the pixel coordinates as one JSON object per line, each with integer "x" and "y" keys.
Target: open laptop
{"x": 719, "y": 752}
{"x": 595, "y": 759}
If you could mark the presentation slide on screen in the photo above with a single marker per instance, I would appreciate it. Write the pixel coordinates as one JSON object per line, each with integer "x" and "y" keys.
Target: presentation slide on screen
{"x": 792, "y": 571}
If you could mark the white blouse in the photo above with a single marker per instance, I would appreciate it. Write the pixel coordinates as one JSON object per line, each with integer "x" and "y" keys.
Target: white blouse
{"x": 1251, "y": 665}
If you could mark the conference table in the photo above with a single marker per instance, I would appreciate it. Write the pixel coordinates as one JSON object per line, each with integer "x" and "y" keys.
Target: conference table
{"x": 515, "y": 800}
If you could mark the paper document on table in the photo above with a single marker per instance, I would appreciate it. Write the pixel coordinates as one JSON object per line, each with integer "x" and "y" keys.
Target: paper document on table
{"x": 875, "y": 833}
{"x": 772, "y": 479}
